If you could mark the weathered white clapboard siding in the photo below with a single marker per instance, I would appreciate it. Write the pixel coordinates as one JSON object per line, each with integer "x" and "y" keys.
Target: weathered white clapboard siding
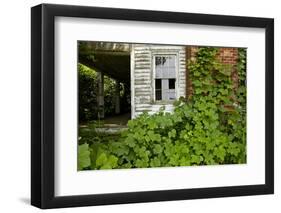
{"x": 142, "y": 79}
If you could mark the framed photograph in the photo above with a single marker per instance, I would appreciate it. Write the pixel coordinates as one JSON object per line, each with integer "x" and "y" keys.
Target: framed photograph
{"x": 139, "y": 106}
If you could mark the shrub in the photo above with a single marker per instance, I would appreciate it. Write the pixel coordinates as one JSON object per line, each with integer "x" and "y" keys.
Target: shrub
{"x": 87, "y": 93}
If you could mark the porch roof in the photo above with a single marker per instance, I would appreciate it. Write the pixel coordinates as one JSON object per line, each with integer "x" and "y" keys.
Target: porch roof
{"x": 112, "y": 59}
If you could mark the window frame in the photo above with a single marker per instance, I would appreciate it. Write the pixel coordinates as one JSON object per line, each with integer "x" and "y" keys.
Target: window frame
{"x": 159, "y": 53}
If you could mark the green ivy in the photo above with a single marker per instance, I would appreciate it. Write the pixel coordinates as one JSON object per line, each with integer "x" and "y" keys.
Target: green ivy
{"x": 208, "y": 129}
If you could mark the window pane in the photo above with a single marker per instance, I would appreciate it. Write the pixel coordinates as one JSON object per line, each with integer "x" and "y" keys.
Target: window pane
{"x": 158, "y": 95}
{"x": 172, "y": 67}
{"x": 172, "y": 61}
{"x": 172, "y": 83}
{"x": 172, "y": 94}
{"x": 159, "y": 73}
{"x": 165, "y": 72}
{"x": 165, "y": 61}
{"x": 158, "y": 84}
{"x": 157, "y": 61}
{"x": 158, "y": 89}
{"x": 171, "y": 73}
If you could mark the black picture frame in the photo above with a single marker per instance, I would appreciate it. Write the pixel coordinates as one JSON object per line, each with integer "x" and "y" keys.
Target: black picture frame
{"x": 43, "y": 102}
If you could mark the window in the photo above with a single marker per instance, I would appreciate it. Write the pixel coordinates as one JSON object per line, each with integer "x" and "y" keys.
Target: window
{"x": 165, "y": 77}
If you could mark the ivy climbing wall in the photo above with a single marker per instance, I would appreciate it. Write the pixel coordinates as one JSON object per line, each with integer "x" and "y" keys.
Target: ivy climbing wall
{"x": 225, "y": 55}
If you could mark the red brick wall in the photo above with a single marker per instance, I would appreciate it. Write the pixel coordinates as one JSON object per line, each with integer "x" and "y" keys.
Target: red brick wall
{"x": 226, "y": 55}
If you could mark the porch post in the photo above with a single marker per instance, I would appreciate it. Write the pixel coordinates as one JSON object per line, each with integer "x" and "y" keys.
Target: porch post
{"x": 117, "y": 97}
{"x": 100, "y": 95}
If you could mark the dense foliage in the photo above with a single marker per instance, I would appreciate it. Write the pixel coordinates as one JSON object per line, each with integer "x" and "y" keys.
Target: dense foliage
{"x": 207, "y": 129}
{"x": 87, "y": 95}
{"x": 88, "y": 109}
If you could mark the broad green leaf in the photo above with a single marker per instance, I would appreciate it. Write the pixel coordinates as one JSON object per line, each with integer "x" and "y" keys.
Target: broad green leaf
{"x": 84, "y": 160}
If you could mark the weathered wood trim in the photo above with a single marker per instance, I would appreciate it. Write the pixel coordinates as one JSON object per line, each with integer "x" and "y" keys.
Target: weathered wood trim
{"x": 187, "y": 80}
{"x": 132, "y": 77}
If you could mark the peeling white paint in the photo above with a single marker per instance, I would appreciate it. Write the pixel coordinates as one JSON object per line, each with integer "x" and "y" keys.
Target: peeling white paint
{"x": 142, "y": 77}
